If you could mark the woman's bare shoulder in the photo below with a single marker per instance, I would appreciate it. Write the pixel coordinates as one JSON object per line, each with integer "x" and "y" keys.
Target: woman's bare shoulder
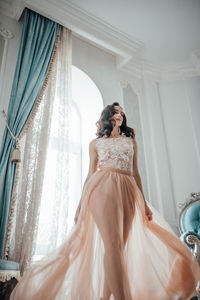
{"x": 133, "y": 140}
{"x": 92, "y": 144}
{"x": 134, "y": 144}
{"x": 93, "y": 141}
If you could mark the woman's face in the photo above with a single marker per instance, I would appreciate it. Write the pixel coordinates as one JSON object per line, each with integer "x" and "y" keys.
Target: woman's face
{"x": 118, "y": 116}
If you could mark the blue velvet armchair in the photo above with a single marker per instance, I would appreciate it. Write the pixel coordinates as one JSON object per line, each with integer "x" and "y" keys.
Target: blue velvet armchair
{"x": 9, "y": 276}
{"x": 189, "y": 226}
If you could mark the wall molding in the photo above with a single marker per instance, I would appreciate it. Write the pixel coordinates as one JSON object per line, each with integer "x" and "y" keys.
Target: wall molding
{"x": 142, "y": 68}
{"x": 126, "y": 49}
{"x": 168, "y": 162}
{"x": 7, "y": 35}
{"x": 192, "y": 122}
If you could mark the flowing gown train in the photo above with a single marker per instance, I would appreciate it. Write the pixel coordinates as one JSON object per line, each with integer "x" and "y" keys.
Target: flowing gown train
{"x": 113, "y": 243}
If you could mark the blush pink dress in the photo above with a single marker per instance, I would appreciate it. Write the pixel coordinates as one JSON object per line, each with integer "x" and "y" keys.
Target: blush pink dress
{"x": 157, "y": 265}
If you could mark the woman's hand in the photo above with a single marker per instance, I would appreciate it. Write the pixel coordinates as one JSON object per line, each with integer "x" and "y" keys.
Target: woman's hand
{"x": 148, "y": 213}
{"x": 77, "y": 213}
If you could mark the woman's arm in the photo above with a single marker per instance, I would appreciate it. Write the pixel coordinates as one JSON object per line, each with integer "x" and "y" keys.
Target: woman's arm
{"x": 136, "y": 174}
{"x": 92, "y": 168}
{"x": 137, "y": 178}
{"x": 93, "y": 160}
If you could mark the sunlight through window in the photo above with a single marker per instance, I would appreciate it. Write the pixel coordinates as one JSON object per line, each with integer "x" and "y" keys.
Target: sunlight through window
{"x": 87, "y": 105}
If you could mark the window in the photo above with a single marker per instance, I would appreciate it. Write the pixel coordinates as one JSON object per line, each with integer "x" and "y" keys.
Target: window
{"x": 87, "y": 104}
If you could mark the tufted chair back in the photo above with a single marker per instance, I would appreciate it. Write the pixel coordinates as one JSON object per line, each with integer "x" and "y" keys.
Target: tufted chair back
{"x": 189, "y": 226}
{"x": 189, "y": 223}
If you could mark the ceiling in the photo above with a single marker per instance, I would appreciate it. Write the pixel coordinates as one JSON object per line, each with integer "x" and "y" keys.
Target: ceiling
{"x": 160, "y": 34}
{"x": 169, "y": 29}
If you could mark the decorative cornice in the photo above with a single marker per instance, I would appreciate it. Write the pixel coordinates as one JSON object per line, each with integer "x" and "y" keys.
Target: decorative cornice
{"x": 145, "y": 69}
{"x": 87, "y": 26}
{"x": 125, "y": 48}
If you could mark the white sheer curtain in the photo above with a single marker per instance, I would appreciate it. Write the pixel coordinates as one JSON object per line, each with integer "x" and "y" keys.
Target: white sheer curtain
{"x": 36, "y": 206}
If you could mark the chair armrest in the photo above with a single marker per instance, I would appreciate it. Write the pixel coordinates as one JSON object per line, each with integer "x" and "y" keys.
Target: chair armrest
{"x": 193, "y": 242}
{"x": 9, "y": 269}
{"x": 8, "y": 265}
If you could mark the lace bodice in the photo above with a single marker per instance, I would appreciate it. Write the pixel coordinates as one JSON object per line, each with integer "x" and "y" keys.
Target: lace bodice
{"x": 115, "y": 152}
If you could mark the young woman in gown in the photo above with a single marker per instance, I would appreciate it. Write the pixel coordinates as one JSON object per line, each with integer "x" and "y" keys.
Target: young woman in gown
{"x": 120, "y": 247}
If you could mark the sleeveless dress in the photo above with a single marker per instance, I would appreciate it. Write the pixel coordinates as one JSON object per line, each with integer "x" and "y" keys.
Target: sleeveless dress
{"x": 158, "y": 265}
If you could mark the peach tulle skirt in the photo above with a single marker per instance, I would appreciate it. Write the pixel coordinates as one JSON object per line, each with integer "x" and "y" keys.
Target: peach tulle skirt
{"x": 157, "y": 264}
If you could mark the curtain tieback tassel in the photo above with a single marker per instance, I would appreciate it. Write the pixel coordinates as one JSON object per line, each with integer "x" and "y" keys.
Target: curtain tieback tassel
{"x": 16, "y": 155}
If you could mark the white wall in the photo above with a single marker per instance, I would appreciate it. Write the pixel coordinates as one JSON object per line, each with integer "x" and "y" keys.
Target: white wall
{"x": 11, "y": 58}
{"x": 100, "y": 66}
{"x": 171, "y": 126}
{"x": 181, "y": 107}
{"x": 192, "y": 90}
{"x": 159, "y": 179}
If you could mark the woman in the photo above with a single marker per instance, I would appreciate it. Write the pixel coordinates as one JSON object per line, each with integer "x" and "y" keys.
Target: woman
{"x": 119, "y": 247}
{"x": 113, "y": 124}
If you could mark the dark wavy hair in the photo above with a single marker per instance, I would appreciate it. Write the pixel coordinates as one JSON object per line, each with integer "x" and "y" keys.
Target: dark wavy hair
{"x": 106, "y": 122}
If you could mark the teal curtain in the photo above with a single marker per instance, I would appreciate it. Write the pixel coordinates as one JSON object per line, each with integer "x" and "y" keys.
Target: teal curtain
{"x": 36, "y": 47}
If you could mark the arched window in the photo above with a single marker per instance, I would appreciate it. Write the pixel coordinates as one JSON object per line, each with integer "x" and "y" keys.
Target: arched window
{"x": 87, "y": 104}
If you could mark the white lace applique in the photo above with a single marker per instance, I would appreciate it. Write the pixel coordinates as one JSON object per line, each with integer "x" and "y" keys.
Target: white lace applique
{"x": 115, "y": 152}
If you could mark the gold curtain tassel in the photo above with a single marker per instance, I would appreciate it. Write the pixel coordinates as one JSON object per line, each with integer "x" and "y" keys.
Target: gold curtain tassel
{"x": 16, "y": 156}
